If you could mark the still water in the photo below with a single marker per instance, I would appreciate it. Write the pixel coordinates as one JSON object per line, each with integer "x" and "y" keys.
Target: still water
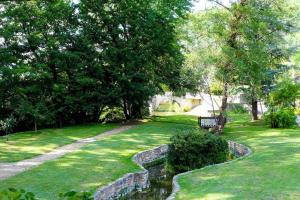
{"x": 160, "y": 185}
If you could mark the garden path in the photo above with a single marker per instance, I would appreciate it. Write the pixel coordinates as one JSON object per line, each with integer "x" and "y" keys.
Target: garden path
{"x": 11, "y": 169}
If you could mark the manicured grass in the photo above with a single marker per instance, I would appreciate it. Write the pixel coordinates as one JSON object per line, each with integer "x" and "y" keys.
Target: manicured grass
{"x": 28, "y": 144}
{"x": 96, "y": 164}
{"x": 271, "y": 172}
{"x": 177, "y": 119}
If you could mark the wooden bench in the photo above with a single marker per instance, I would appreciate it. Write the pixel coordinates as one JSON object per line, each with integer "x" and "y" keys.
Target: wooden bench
{"x": 208, "y": 122}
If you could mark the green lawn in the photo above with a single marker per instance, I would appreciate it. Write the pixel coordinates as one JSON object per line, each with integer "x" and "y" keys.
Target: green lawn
{"x": 28, "y": 144}
{"x": 176, "y": 119}
{"x": 271, "y": 172}
{"x": 96, "y": 164}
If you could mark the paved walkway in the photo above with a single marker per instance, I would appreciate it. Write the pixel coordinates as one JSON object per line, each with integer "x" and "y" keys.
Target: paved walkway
{"x": 11, "y": 169}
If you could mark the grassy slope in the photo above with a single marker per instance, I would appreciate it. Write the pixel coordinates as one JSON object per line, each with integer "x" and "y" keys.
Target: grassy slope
{"x": 28, "y": 144}
{"x": 96, "y": 164}
{"x": 271, "y": 172}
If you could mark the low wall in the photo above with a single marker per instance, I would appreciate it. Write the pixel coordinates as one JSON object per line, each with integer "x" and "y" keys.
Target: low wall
{"x": 237, "y": 149}
{"x": 140, "y": 180}
{"x": 132, "y": 181}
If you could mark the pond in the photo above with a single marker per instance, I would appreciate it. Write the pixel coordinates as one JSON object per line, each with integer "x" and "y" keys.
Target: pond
{"x": 160, "y": 184}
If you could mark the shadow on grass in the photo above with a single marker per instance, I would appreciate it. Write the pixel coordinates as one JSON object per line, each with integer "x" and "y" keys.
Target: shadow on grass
{"x": 271, "y": 172}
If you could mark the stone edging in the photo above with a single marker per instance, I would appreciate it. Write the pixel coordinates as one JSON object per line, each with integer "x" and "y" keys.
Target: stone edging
{"x": 239, "y": 150}
{"x": 140, "y": 180}
{"x": 132, "y": 181}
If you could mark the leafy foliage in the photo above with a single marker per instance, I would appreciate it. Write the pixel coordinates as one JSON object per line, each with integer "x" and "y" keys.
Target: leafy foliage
{"x": 281, "y": 103}
{"x": 281, "y": 118}
{"x": 73, "y": 195}
{"x": 63, "y": 63}
{"x": 237, "y": 108}
{"x": 7, "y": 124}
{"x": 285, "y": 94}
{"x": 14, "y": 194}
{"x": 240, "y": 46}
{"x": 114, "y": 114}
{"x": 193, "y": 149}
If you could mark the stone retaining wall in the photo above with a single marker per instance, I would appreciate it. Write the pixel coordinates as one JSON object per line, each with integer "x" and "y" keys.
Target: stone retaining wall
{"x": 237, "y": 149}
{"x": 132, "y": 181}
{"x": 140, "y": 180}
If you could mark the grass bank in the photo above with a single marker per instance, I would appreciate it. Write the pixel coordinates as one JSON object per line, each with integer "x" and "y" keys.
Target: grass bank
{"x": 28, "y": 144}
{"x": 96, "y": 164}
{"x": 271, "y": 172}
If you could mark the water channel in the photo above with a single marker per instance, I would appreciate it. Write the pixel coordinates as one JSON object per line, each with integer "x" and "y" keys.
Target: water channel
{"x": 160, "y": 184}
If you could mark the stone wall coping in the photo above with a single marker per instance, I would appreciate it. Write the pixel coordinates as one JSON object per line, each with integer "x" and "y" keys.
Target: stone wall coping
{"x": 138, "y": 180}
{"x": 176, "y": 186}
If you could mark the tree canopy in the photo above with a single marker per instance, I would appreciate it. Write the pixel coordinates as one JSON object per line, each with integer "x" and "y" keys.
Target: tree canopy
{"x": 64, "y": 63}
{"x": 243, "y": 46}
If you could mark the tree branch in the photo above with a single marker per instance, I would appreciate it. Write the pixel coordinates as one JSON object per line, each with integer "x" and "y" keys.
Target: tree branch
{"x": 220, "y": 4}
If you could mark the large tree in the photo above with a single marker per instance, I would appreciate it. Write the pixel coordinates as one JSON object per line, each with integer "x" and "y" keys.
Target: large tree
{"x": 64, "y": 63}
{"x": 262, "y": 45}
{"x": 136, "y": 45}
{"x": 244, "y": 43}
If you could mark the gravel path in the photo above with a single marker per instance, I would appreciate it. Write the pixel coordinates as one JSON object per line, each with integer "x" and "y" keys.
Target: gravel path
{"x": 11, "y": 169}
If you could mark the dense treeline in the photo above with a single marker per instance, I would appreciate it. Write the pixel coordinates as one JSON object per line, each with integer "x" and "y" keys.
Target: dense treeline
{"x": 64, "y": 63}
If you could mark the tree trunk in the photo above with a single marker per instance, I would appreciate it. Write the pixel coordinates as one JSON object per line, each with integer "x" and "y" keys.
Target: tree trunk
{"x": 35, "y": 126}
{"x": 222, "y": 116}
{"x": 125, "y": 110}
{"x": 254, "y": 109}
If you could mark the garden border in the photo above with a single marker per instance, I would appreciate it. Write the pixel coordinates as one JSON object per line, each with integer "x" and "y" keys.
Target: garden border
{"x": 140, "y": 180}
{"x": 239, "y": 150}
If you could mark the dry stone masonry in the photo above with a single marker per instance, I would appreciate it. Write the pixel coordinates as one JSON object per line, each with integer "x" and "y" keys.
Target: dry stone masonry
{"x": 132, "y": 181}
{"x": 140, "y": 180}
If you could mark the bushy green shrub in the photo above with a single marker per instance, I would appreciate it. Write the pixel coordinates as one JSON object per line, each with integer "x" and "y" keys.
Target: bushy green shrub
{"x": 281, "y": 104}
{"x": 114, "y": 114}
{"x": 297, "y": 112}
{"x": 15, "y": 194}
{"x": 281, "y": 118}
{"x": 237, "y": 108}
{"x": 73, "y": 195}
{"x": 193, "y": 149}
{"x": 285, "y": 94}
